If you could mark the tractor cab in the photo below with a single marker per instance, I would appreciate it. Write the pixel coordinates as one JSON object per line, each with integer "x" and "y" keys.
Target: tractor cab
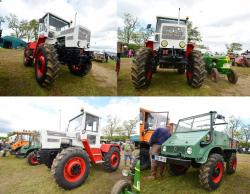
{"x": 51, "y": 25}
{"x": 171, "y": 32}
{"x": 85, "y": 126}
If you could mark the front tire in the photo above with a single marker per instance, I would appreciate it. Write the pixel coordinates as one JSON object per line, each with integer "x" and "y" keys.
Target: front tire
{"x": 195, "y": 71}
{"x": 46, "y": 65}
{"x": 211, "y": 173}
{"x": 32, "y": 159}
{"x": 232, "y": 76}
{"x": 121, "y": 186}
{"x": 112, "y": 159}
{"x": 71, "y": 168}
{"x": 28, "y": 57}
{"x": 141, "y": 72}
{"x": 176, "y": 170}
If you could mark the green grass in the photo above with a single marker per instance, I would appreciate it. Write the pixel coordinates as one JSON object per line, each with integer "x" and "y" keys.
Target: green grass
{"x": 189, "y": 183}
{"x": 170, "y": 83}
{"x": 17, "y": 80}
{"x": 16, "y": 176}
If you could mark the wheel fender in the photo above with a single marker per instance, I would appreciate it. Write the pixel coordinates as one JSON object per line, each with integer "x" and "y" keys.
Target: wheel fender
{"x": 106, "y": 147}
{"x": 150, "y": 44}
{"x": 206, "y": 154}
{"x": 190, "y": 47}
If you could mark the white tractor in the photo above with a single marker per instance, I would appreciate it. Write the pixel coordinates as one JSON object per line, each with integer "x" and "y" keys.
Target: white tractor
{"x": 58, "y": 43}
{"x": 69, "y": 154}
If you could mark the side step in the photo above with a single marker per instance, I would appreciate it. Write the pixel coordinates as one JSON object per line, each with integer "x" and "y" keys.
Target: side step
{"x": 95, "y": 154}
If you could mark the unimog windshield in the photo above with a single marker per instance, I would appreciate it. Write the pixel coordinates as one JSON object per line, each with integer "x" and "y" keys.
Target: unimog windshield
{"x": 196, "y": 123}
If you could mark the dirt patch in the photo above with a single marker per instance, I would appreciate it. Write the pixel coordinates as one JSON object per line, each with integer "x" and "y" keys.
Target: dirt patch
{"x": 239, "y": 89}
{"x": 105, "y": 77}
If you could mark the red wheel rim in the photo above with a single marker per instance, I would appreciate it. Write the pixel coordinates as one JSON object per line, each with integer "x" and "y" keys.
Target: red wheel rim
{"x": 33, "y": 159}
{"x": 189, "y": 75}
{"x": 75, "y": 68}
{"x": 114, "y": 159}
{"x": 149, "y": 75}
{"x": 218, "y": 172}
{"x": 234, "y": 164}
{"x": 40, "y": 64}
{"x": 74, "y": 169}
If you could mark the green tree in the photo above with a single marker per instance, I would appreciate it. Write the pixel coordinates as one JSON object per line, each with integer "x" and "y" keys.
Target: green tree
{"x": 19, "y": 27}
{"x": 31, "y": 30}
{"x": 130, "y": 24}
{"x": 193, "y": 33}
{"x": 130, "y": 126}
{"x": 111, "y": 127}
{"x": 233, "y": 127}
{"x": 233, "y": 47}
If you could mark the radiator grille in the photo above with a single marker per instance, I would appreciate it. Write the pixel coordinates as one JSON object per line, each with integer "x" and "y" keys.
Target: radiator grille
{"x": 84, "y": 34}
{"x": 173, "y": 33}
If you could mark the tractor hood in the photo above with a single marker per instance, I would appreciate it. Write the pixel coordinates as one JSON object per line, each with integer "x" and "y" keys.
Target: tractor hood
{"x": 185, "y": 139}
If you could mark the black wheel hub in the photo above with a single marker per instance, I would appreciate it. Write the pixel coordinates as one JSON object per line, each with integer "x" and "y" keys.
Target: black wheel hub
{"x": 76, "y": 169}
{"x": 39, "y": 64}
{"x": 216, "y": 172}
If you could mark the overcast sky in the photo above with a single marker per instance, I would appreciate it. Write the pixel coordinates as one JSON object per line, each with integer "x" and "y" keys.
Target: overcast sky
{"x": 219, "y": 21}
{"x": 97, "y": 15}
{"x": 181, "y": 107}
{"x": 39, "y": 113}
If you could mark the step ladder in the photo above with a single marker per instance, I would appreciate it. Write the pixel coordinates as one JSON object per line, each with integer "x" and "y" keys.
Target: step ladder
{"x": 95, "y": 154}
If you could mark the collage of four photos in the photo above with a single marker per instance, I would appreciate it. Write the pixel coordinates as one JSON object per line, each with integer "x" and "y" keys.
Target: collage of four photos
{"x": 124, "y": 96}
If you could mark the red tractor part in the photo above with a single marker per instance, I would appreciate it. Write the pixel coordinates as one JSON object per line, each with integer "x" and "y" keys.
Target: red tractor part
{"x": 71, "y": 166}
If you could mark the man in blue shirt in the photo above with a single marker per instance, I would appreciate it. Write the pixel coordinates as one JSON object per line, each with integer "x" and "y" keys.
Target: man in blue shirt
{"x": 159, "y": 136}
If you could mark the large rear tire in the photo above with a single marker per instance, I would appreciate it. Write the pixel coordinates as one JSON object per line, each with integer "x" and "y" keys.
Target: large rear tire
{"x": 211, "y": 173}
{"x": 46, "y": 65}
{"x": 121, "y": 187}
{"x": 145, "y": 160}
{"x": 112, "y": 159}
{"x": 80, "y": 69}
{"x": 195, "y": 72}
{"x": 177, "y": 170}
{"x": 141, "y": 72}
{"x": 71, "y": 168}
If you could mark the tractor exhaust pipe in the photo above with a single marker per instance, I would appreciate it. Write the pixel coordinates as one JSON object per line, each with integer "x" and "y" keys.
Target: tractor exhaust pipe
{"x": 179, "y": 12}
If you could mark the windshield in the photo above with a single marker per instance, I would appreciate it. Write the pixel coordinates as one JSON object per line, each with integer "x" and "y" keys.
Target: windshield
{"x": 154, "y": 120}
{"x": 198, "y": 123}
{"x": 161, "y": 21}
{"x": 76, "y": 124}
{"x": 56, "y": 24}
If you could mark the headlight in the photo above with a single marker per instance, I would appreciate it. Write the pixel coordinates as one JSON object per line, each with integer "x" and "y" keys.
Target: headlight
{"x": 189, "y": 150}
{"x": 182, "y": 44}
{"x": 164, "y": 43}
{"x": 125, "y": 172}
{"x": 164, "y": 149}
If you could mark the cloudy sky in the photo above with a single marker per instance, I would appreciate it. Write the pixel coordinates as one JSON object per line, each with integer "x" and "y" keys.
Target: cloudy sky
{"x": 181, "y": 107}
{"x": 39, "y": 113}
{"x": 219, "y": 21}
{"x": 97, "y": 15}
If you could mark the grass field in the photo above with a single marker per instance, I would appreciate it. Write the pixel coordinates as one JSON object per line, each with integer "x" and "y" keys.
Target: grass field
{"x": 16, "y": 176}
{"x": 238, "y": 183}
{"x": 17, "y": 80}
{"x": 170, "y": 83}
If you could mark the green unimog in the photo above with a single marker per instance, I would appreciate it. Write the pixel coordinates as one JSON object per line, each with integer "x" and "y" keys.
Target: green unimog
{"x": 197, "y": 143}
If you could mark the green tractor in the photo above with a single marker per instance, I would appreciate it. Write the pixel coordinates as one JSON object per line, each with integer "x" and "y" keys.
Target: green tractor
{"x": 219, "y": 64}
{"x": 30, "y": 151}
{"x": 199, "y": 142}
{"x": 124, "y": 186}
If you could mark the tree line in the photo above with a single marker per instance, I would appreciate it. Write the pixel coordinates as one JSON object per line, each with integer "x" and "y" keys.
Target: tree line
{"x": 22, "y": 28}
{"x": 115, "y": 127}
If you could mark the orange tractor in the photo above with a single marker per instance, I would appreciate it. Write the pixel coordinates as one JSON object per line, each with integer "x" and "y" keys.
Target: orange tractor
{"x": 21, "y": 139}
{"x": 149, "y": 121}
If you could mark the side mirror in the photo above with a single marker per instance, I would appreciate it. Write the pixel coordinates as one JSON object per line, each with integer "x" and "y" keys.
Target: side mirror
{"x": 220, "y": 117}
{"x": 149, "y": 26}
